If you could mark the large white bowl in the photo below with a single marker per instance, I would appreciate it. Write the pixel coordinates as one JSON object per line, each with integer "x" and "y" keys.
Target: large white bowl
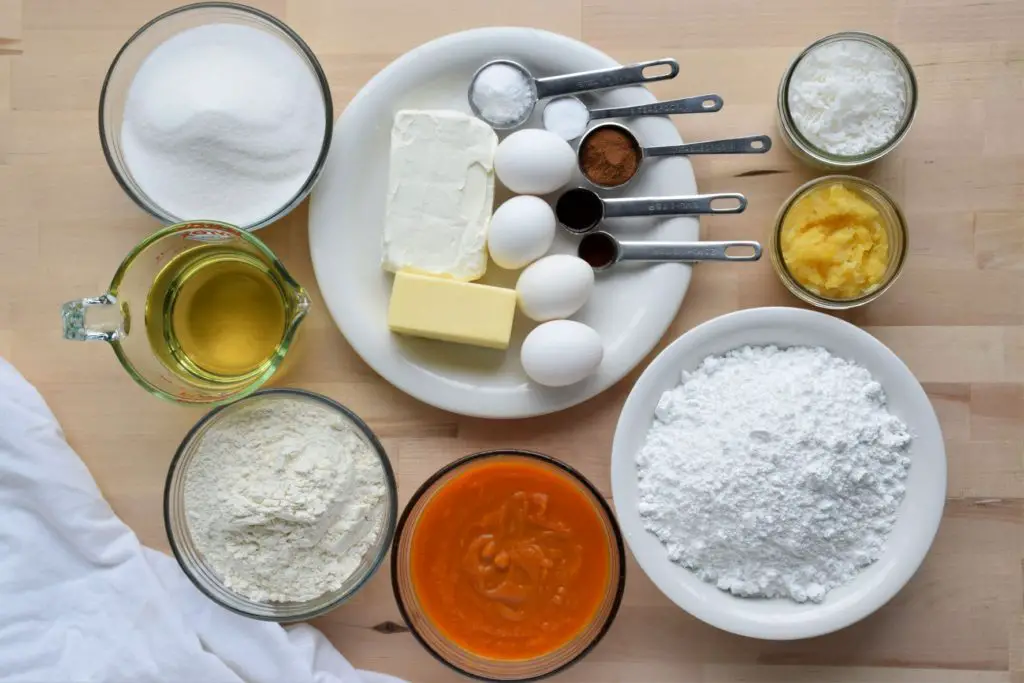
{"x": 917, "y": 520}
{"x": 631, "y": 307}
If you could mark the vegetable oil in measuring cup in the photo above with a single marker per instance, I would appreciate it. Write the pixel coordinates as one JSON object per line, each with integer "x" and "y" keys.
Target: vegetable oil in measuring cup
{"x": 217, "y": 314}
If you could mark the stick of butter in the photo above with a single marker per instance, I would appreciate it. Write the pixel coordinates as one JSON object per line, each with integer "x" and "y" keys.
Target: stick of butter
{"x": 440, "y": 194}
{"x": 453, "y": 311}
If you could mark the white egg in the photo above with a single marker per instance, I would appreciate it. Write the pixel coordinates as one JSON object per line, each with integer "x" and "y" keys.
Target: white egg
{"x": 556, "y": 286}
{"x": 561, "y": 352}
{"x": 534, "y": 161}
{"x": 521, "y": 231}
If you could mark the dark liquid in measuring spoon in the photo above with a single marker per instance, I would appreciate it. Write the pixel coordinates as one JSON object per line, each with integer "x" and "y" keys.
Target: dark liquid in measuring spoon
{"x": 598, "y": 250}
{"x": 579, "y": 210}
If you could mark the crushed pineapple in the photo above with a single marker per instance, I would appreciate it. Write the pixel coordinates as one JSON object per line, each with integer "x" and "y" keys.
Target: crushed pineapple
{"x": 834, "y": 243}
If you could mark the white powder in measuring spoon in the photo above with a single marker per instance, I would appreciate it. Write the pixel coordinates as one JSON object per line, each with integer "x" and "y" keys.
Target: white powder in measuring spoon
{"x": 567, "y": 117}
{"x": 223, "y": 122}
{"x": 774, "y": 472}
{"x": 284, "y": 500}
{"x": 847, "y": 97}
{"x": 502, "y": 94}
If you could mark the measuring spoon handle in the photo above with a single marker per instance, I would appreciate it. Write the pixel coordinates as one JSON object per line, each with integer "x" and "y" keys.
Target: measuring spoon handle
{"x": 585, "y": 81}
{"x": 675, "y": 206}
{"x": 688, "y": 251}
{"x": 702, "y": 104}
{"x": 753, "y": 144}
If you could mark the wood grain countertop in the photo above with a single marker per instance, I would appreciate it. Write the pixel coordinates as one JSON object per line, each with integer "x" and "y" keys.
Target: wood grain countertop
{"x": 956, "y": 317}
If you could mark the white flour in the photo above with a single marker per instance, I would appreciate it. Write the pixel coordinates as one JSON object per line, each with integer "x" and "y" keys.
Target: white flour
{"x": 284, "y": 499}
{"x": 774, "y": 472}
{"x": 222, "y": 122}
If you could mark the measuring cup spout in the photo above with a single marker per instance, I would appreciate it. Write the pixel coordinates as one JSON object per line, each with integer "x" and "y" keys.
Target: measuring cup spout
{"x": 98, "y": 318}
{"x": 300, "y": 304}
{"x": 296, "y": 298}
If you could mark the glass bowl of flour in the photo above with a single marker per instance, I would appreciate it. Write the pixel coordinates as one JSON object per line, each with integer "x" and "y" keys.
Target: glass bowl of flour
{"x": 280, "y": 506}
{"x": 216, "y": 111}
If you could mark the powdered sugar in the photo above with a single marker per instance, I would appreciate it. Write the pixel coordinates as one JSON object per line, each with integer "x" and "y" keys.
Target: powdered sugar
{"x": 847, "y": 97}
{"x": 774, "y": 472}
{"x": 284, "y": 500}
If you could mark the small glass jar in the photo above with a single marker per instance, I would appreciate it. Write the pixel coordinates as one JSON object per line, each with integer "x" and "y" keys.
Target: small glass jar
{"x": 893, "y": 222}
{"x": 807, "y": 152}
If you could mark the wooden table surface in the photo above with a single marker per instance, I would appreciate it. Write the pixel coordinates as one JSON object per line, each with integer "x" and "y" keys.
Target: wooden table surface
{"x": 956, "y": 316}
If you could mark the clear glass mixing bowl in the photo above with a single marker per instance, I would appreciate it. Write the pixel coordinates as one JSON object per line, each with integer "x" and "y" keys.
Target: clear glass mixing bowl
{"x": 206, "y": 579}
{"x": 134, "y": 52}
{"x": 469, "y": 663}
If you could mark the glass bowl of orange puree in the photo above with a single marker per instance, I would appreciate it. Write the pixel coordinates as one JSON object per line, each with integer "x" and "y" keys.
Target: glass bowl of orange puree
{"x": 508, "y": 565}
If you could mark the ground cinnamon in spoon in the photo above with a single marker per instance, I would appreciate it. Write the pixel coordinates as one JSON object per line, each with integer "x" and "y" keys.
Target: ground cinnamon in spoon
{"x": 609, "y": 156}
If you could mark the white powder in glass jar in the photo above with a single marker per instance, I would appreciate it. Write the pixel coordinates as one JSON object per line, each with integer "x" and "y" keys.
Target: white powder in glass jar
{"x": 223, "y": 122}
{"x": 847, "y": 97}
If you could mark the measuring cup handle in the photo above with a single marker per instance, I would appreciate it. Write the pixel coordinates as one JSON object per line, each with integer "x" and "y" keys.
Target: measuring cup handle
{"x": 753, "y": 144}
{"x": 96, "y": 318}
{"x": 678, "y": 206}
{"x": 704, "y": 104}
{"x": 585, "y": 81}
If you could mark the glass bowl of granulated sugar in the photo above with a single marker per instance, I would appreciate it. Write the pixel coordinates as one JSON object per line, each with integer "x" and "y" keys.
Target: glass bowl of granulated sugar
{"x": 280, "y": 506}
{"x": 216, "y": 111}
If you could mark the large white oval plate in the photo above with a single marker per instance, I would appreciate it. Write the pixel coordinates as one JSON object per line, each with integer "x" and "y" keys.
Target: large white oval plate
{"x": 918, "y": 517}
{"x": 631, "y": 307}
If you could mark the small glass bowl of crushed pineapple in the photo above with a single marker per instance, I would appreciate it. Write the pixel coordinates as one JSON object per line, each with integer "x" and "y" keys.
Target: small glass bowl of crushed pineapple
{"x": 839, "y": 242}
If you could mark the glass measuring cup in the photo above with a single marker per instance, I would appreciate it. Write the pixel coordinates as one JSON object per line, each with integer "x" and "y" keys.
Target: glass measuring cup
{"x": 119, "y": 316}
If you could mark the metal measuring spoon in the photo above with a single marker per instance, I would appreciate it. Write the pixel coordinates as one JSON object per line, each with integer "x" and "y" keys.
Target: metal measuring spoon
{"x": 752, "y": 144}
{"x": 702, "y": 104}
{"x": 580, "y": 210}
{"x": 602, "y": 251}
{"x": 571, "y": 84}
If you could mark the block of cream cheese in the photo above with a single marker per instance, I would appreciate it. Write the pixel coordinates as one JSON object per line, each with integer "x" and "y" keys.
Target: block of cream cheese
{"x": 450, "y": 310}
{"x": 440, "y": 194}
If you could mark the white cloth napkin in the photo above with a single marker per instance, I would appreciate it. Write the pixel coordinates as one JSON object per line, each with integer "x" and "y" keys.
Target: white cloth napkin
{"x": 82, "y": 600}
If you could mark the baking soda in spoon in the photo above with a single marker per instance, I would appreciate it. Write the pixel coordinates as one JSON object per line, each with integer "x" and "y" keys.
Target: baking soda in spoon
{"x": 566, "y": 116}
{"x": 223, "y": 122}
